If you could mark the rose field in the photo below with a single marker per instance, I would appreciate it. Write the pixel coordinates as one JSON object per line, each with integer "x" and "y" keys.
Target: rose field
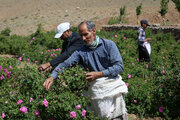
{"x": 153, "y": 87}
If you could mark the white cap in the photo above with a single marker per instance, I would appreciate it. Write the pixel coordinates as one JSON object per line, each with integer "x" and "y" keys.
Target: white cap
{"x": 61, "y": 28}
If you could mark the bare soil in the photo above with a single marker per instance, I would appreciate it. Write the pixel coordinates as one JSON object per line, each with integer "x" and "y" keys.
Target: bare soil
{"x": 23, "y": 16}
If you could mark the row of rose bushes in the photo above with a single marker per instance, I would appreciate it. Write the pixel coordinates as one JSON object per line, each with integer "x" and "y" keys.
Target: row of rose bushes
{"x": 153, "y": 87}
{"x": 22, "y": 95}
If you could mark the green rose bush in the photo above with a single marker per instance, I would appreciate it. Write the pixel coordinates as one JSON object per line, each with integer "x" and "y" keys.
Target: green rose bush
{"x": 153, "y": 87}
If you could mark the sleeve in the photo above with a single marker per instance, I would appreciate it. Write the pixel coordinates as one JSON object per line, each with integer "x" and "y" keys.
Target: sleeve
{"x": 116, "y": 62}
{"x": 140, "y": 35}
{"x": 72, "y": 60}
{"x": 76, "y": 43}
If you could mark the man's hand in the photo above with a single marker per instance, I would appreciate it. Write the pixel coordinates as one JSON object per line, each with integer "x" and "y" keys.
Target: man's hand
{"x": 45, "y": 67}
{"x": 148, "y": 39}
{"x": 93, "y": 76}
{"x": 47, "y": 84}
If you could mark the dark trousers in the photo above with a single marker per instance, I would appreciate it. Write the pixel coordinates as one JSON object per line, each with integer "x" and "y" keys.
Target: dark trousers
{"x": 143, "y": 54}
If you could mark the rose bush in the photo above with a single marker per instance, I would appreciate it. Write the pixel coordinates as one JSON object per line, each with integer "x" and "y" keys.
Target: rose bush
{"x": 153, "y": 87}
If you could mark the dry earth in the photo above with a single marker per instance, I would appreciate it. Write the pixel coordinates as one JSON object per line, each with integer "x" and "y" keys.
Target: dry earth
{"x": 23, "y": 16}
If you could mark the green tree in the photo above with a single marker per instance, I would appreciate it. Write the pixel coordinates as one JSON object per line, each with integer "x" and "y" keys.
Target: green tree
{"x": 177, "y": 3}
{"x": 138, "y": 12}
{"x": 164, "y": 9}
{"x": 122, "y": 13}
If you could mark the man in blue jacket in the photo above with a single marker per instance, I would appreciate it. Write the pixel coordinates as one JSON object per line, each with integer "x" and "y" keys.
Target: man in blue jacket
{"x": 72, "y": 41}
{"x": 102, "y": 58}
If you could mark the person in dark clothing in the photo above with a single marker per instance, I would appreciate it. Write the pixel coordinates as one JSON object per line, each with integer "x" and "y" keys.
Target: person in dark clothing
{"x": 144, "y": 55}
{"x": 72, "y": 41}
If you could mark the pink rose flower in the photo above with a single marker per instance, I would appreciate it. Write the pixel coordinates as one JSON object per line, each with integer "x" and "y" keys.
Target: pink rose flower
{"x": 160, "y": 109}
{"x": 2, "y": 77}
{"x": 10, "y": 67}
{"x": 31, "y": 99}
{"x": 48, "y": 50}
{"x": 3, "y": 115}
{"x": 127, "y": 84}
{"x": 36, "y": 112}
{"x": 72, "y": 114}
{"x": 138, "y": 59}
{"x": 35, "y": 61}
{"x": 124, "y": 52}
{"x": 163, "y": 72}
{"x": 33, "y": 38}
{"x": 45, "y": 103}
{"x": 19, "y": 101}
{"x": 0, "y": 67}
{"x": 23, "y": 54}
{"x": 124, "y": 38}
{"x": 83, "y": 113}
{"x": 41, "y": 52}
{"x": 20, "y": 58}
{"x": 5, "y": 70}
{"x": 28, "y": 60}
{"x": 9, "y": 85}
{"x": 135, "y": 101}
{"x": 23, "y": 109}
{"x": 6, "y": 102}
{"x": 129, "y": 76}
{"x": 78, "y": 107}
{"x": 115, "y": 35}
{"x": 146, "y": 65}
{"x": 8, "y": 73}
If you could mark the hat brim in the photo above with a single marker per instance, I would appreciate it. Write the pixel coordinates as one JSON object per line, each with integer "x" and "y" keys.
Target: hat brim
{"x": 148, "y": 24}
{"x": 58, "y": 35}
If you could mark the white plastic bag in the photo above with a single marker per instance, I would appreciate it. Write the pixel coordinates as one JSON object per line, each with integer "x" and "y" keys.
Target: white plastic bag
{"x": 148, "y": 47}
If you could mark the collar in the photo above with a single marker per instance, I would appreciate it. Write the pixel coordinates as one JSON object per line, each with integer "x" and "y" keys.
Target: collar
{"x": 68, "y": 40}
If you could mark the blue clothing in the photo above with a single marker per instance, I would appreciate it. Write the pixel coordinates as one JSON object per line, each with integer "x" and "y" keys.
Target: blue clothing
{"x": 105, "y": 58}
{"x": 141, "y": 36}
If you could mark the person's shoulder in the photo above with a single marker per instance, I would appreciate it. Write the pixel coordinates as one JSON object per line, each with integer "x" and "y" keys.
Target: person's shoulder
{"x": 140, "y": 29}
{"x": 74, "y": 34}
{"x": 76, "y": 38}
{"x": 107, "y": 41}
{"x": 83, "y": 48}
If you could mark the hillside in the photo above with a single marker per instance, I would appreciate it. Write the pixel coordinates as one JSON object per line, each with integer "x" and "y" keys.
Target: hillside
{"x": 23, "y": 16}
